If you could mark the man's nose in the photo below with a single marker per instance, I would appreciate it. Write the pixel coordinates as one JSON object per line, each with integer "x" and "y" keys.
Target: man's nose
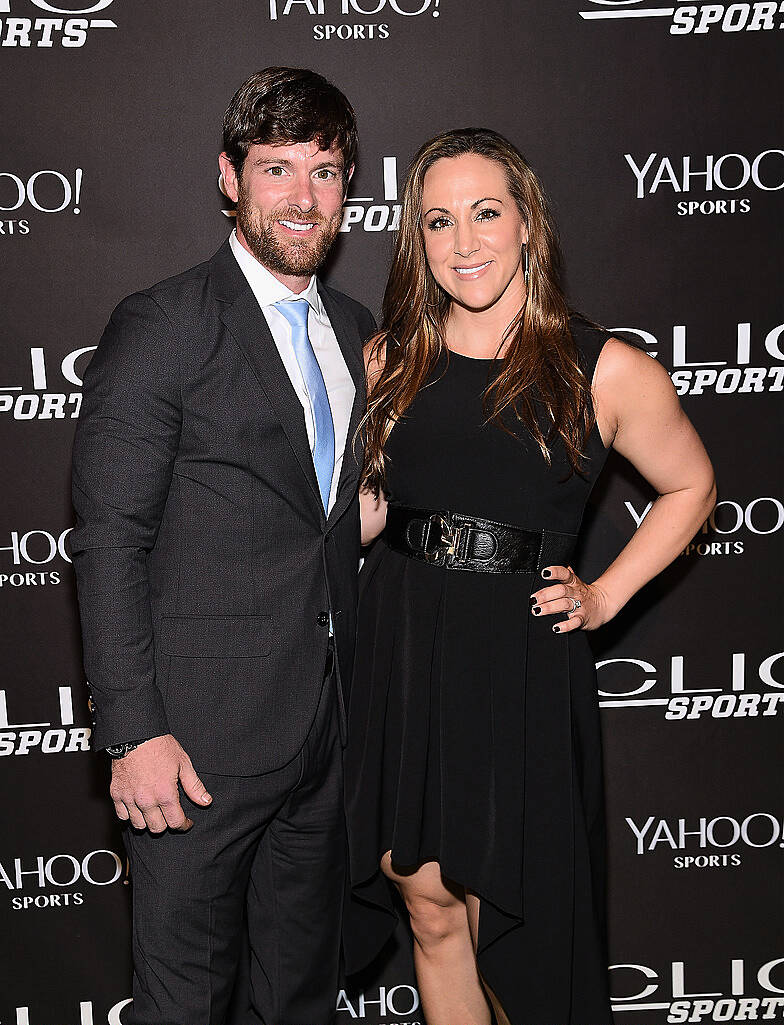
{"x": 302, "y": 194}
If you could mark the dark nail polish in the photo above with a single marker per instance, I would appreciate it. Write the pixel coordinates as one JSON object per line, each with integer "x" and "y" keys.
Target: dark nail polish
{"x": 556, "y": 629}
{"x": 536, "y": 610}
{"x": 546, "y": 573}
{"x": 533, "y": 600}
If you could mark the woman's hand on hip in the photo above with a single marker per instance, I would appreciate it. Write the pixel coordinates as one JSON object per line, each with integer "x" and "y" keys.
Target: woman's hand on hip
{"x": 585, "y": 605}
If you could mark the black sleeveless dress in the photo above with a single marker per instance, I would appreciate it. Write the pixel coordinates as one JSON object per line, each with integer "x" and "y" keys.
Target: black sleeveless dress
{"x": 473, "y": 728}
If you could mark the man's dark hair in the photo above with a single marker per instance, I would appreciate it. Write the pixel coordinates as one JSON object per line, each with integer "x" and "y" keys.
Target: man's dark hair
{"x": 284, "y": 105}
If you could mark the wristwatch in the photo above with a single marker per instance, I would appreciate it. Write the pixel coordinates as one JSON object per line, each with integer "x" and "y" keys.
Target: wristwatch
{"x": 121, "y": 750}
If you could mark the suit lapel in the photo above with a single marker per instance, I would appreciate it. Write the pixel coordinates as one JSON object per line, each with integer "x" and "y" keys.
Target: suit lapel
{"x": 347, "y": 334}
{"x": 251, "y": 332}
{"x": 248, "y": 326}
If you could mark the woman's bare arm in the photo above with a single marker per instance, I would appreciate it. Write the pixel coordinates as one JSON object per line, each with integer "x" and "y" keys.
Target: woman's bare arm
{"x": 372, "y": 509}
{"x": 639, "y": 415}
{"x": 372, "y": 514}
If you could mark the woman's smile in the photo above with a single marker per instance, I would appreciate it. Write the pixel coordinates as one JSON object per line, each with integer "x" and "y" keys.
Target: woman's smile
{"x": 473, "y": 271}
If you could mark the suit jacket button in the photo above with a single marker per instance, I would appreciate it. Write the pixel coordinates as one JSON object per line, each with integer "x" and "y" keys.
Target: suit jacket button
{"x": 323, "y": 619}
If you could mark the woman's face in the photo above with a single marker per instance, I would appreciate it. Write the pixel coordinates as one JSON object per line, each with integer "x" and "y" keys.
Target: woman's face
{"x": 473, "y": 231}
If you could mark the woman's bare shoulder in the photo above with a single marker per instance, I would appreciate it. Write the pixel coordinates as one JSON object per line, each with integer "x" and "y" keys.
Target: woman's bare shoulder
{"x": 624, "y": 367}
{"x": 629, "y": 385}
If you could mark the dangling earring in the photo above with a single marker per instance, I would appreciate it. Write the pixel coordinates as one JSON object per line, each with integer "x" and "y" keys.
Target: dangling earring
{"x": 525, "y": 263}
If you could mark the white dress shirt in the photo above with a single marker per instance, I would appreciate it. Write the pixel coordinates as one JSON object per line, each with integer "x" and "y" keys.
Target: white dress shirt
{"x": 340, "y": 386}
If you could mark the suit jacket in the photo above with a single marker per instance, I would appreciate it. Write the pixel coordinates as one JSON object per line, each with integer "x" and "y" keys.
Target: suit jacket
{"x": 205, "y": 565}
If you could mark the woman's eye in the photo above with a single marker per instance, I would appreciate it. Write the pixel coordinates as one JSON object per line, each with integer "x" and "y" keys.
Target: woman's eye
{"x": 488, "y": 214}
{"x": 438, "y": 223}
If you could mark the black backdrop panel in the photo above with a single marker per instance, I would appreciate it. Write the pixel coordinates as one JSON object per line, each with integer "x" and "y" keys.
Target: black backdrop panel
{"x": 657, "y": 133}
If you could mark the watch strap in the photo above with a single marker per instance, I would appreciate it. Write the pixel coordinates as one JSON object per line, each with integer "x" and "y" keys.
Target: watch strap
{"x": 116, "y": 751}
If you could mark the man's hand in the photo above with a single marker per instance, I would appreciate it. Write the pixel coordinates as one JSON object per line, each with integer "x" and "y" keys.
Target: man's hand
{"x": 144, "y": 786}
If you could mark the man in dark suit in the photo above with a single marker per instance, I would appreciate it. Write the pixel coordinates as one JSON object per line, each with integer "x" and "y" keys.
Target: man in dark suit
{"x": 216, "y": 550}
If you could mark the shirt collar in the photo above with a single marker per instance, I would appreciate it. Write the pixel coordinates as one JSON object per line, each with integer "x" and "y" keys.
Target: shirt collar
{"x": 266, "y": 287}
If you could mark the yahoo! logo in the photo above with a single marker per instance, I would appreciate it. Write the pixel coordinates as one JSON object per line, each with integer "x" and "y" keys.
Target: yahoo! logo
{"x": 354, "y": 15}
{"x": 367, "y": 8}
{"x": 391, "y": 1000}
{"x": 727, "y": 173}
{"x": 32, "y": 548}
{"x": 98, "y": 868}
{"x": 714, "y": 177}
{"x": 58, "y": 873}
{"x": 717, "y": 536}
{"x": 759, "y": 829}
{"x": 46, "y": 191}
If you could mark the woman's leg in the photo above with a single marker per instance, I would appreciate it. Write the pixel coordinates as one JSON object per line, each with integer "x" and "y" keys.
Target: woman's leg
{"x": 472, "y": 910}
{"x": 447, "y": 976}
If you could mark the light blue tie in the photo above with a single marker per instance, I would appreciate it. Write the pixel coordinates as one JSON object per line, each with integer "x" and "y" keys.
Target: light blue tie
{"x": 296, "y": 313}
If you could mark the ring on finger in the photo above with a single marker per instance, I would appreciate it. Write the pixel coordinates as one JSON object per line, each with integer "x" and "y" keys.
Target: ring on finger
{"x": 576, "y": 604}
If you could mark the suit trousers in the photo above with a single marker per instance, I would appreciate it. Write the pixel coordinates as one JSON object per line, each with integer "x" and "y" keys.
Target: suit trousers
{"x": 268, "y": 856}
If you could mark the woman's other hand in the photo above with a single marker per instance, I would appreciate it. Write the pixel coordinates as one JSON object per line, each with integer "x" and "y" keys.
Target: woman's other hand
{"x": 585, "y": 605}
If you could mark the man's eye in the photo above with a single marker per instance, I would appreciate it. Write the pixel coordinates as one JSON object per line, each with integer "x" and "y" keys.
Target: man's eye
{"x": 276, "y": 172}
{"x": 325, "y": 174}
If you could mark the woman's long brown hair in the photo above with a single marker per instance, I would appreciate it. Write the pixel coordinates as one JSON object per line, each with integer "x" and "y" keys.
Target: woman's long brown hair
{"x": 540, "y": 366}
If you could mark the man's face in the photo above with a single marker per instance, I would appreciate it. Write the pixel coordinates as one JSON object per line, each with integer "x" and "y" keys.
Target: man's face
{"x": 289, "y": 204}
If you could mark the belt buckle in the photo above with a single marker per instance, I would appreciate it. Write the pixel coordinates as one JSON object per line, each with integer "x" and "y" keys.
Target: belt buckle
{"x": 449, "y": 539}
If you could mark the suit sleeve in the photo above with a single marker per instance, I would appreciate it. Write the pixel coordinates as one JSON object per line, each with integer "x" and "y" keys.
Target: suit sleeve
{"x": 124, "y": 451}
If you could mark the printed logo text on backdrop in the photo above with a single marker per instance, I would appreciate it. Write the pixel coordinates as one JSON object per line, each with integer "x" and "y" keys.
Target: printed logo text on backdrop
{"x": 87, "y": 1014}
{"x": 34, "y": 401}
{"x": 351, "y": 19}
{"x": 737, "y": 374}
{"x": 707, "y": 840}
{"x": 27, "y": 551}
{"x": 733, "y": 522}
{"x": 70, "y": 29}
{"x": 719, "y": 175}
{"x": 45, "y": 881}
{"x": 25, "y": 738}
{"x": 745, "y": 994}
{"x": 384, "y": 1002}
{"x": 690, "y": 19}
{"x": 748, "y": 688}
{"x": 45, "y": 191}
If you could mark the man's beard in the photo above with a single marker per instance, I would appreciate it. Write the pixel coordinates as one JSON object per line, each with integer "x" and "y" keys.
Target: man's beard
{"x": 295, "y": 258}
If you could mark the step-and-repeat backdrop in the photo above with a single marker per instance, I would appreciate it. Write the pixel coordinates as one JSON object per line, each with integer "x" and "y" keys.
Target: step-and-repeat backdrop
{"x": 657, "y": 131}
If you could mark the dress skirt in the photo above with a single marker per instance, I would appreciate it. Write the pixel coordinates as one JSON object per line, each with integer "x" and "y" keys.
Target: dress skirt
{"x": 474, "y": 741}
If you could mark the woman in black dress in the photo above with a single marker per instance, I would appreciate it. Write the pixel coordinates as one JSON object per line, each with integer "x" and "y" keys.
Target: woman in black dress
{"x": 474, "y": 780}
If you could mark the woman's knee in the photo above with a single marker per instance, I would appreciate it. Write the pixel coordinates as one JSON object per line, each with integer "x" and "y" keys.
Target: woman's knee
{"x": 433, "y": 922}
{"x": 436, "y": 906}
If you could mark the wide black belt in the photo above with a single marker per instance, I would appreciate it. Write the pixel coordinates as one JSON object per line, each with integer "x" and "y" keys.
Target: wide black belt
{"x": 458, "y": 541}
